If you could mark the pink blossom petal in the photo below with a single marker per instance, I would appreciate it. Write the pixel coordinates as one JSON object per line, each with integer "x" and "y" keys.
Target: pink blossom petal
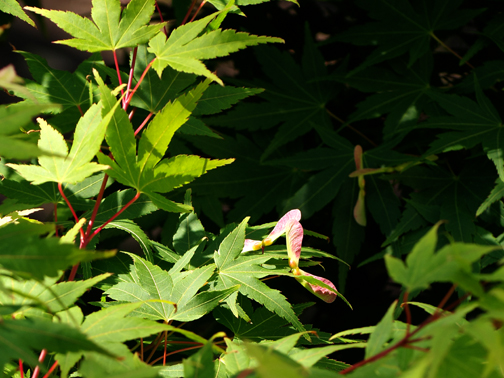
{"x": 294, "y": 236}
{"x": 251, "y": 245}
{"x": 280, "y": 226}
{"x": 325, "y": 294}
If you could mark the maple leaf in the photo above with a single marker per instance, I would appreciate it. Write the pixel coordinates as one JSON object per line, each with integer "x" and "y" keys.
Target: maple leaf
{"x": 148, "y": 172}
{"x": 293, "y": 99}
{"x": 185, "y": 49}
{"x": 111, "y": 30}
{"x": 404, "y": 27}
{"x": 407, "y": 89}
{"x": 233, "y": 268}
{"x": 475, "y": 122}
{"x": 74, "y": 165}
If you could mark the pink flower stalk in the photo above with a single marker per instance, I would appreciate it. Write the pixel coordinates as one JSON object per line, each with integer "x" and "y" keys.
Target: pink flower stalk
{"x": 359, "y": 209}
{"x": 278, "y": 230}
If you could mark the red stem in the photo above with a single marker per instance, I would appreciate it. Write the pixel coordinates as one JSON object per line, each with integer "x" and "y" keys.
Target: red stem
{"x": 407, "y": 338}
{"x": 131, "y": 114}
{"x": 143, "y": 123}
{"x": 73, "y": 272}
{"x": 21, "y": 371}
{"x": 193, "y": 3}
{"x": 41, "y": 359}
{"x": 161, "y": 18}
{"x": 96, "y": 206}
{"x": 141, "y": 345}
{"x": 131, "y": 73}
{"x": 445, "y": 298}
{"x": 175, "y": 352}
{"x": 138, "y": 84}
{"x": 51, "y": 370}
{"x": 119, "y": 75}
{"x": 197, "y": 10}
{"x": 165, "y": 344}
{"x": 113, "y": 217}
{"x": 71, "y": 209}
{"x": 80, "y": 110}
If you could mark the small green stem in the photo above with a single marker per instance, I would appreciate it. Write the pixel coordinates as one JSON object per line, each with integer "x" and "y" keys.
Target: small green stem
{"x": 449, "y": 49}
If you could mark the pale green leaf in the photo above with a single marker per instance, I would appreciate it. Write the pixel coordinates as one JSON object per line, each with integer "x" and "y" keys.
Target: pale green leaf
{"x": 13, "y": 7}
{"x": 184, "y": 50}
{"x": 111, "y": 30}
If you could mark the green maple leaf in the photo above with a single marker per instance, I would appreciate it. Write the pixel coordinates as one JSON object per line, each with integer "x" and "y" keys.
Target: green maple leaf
{"x": 51, "y": 86}
{"x": 13, "y": 7}
{"x": 236, "y": 269}
{"x": 148, "y": 172}
{"x": 68, "y": 166}
{"x": 260, "y": 188}
{"x": 111, "y": 30}
{"x": 407, "y": 89}
{"x": 404, "y": 27}
{"x": 185, "y": 49}
{"x": 293, "y": 100}
{"x": 442, "y": 195}
{"x": 169, "y": 295}
{"x": 475, "y": 122}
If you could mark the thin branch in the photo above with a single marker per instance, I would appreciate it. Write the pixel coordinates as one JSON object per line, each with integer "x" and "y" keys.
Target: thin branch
{"x": 449, "y": 49}
{"x": 407, "y": 311}
{"x": 165, "y": 345}
{"x": 193, "y": 3}
{"x": 114, "y": 216}
{"x": 119, "y": 76}
{"x": 96, "y": 207}
{"x": 60, "y": 188}
{"x": 156, "y": 344}
{"x": 175, "y": 352}
{"x": 138, "y": 83}
{"x": 51, "y": 370}
{"x": 197, "y": 10}
{"x": 161, "y": 18}
{"x": 143, "y": 123}
{"x": 445, "y": 298}
{"x": 131, "y": 73}
{"x": 21, "y": 370}
{"x": 350, "y": 127}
